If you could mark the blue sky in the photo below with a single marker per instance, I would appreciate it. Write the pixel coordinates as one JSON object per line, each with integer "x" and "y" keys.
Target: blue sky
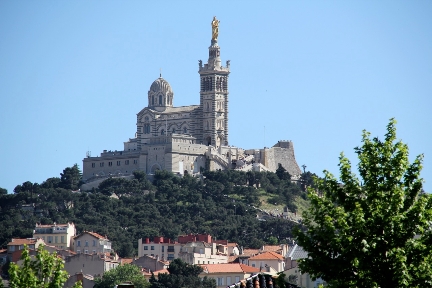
{"x": 73, "y": 75}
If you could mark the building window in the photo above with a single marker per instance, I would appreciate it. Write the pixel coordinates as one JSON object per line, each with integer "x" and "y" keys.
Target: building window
{"x": 118, "y": 163}
{"x": 50, "y": 239}
{"x": 162, "y": 132}
{"x": 229, "y": 280}
{"x": 62, "y": 238}
{"x": 135, "y": 161}
{"x": 101, "y": 164}
{"x": 253, "y": 264}
{"x": 151, "y": 247}
{"x": 126, "y": 162}
{"x": 78, "y": 251}
{"x": 86, "y": 251}
{"x": 153, "y": 100}
{"x": 94, "y": 242}
{"x": 173, "y": 131}
{"x": 237, "y": 279}
{"x": 93, "y": 165}
{"x": 146, "y": 128}
{"x": 110, "y": 164}
{"x": 184, "y": 130}
{"x": 163, "y": 248}
{"x": 56, "y": 239}
{"x": 170, "y": 249}
{"x": 201, "y": 251}
{"x": 78, "y": 243}
{"x": 160, "y": 99}
{"x": 43, "y": 238}
{"x": 220, "y": 281}
{"x": 145, "y": 247}
{"x": 86, "y": 244}
{"x": 170, "y": 257}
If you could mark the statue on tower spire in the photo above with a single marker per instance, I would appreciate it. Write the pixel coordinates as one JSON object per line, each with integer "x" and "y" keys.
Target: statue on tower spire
{"x": 215, "y": 28}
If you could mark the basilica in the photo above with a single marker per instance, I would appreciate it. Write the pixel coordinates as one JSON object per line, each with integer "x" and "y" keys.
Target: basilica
{"x": 188, "y": 139}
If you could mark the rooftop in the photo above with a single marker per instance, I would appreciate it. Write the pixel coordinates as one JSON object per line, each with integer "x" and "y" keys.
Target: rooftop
{"x": 229, "y": 267}
{"x": 267, "y": 256}
{"x": 17, "y": 241}
{"x": 296, "y": 252}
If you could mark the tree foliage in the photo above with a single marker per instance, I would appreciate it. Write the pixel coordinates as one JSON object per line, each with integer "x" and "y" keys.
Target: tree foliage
{"x": 45, "y": 270}
{"x": 121, "y": 274}
{"x": 374, "y": 231}
{"x": 182, "y": 274}
{"x": 220, "y": 204}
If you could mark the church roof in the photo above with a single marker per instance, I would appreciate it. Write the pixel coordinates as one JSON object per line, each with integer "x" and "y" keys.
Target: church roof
{"x": 161, "y": 85}
{"x": 169, "y": 110}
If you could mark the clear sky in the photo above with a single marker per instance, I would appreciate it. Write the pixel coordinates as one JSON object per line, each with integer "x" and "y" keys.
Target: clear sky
{"x": 73, "y": 75}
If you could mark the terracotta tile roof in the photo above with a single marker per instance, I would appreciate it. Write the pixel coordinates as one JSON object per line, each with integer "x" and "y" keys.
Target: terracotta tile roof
{"x": 126, "y": 261}
{"x": 232, "y": 244}
{"x": 51, "y": 225}
{"x": 94, "y": 234}
{"x": 17, "y": 241}
{"x": 267, "y": 256}
{"x": 250, "y": 252}
{"x": 232, "y": 259}
{"x": 272, "y": 248}
{"x": 229, "y": 268}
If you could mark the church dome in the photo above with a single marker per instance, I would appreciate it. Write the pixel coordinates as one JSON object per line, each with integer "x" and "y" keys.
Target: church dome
{"x": 160, "y": 95}
{"x": 160, "y": 85}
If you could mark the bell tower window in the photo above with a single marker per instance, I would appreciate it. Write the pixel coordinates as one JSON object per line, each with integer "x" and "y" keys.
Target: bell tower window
{"x": 160, "y": 99}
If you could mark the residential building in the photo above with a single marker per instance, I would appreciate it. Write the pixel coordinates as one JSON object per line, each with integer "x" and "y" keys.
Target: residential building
{"x": 91, "y": 243}
{"x": 150, "y": 263}
{"x": 303, "y": 279}
{"x": 95, "y": 264}
{"x": 87, "y": 281}
{"x": 268, "y": 260}
{"x": 227, "y": 274}
{"x": 16, "y": 245}
{"x": 58, "y": 235}
{"x": 162, "y": 247}
{"x": 202, "y": 253}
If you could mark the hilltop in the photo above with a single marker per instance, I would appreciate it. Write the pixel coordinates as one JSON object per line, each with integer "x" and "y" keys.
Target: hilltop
{"x": 226, "y": 204}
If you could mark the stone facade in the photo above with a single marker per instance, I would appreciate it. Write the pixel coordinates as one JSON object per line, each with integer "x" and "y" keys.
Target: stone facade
{"x": 188, "y": 138}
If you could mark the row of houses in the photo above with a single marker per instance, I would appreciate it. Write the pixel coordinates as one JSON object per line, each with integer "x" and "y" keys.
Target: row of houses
{"x": 89, "y": 254}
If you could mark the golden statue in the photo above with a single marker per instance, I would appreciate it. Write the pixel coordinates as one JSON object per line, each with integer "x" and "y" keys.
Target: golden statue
{"x": 215, "y": 28}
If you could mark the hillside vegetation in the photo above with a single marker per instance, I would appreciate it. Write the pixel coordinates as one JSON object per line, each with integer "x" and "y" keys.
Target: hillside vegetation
{"x": 224, "y": 204}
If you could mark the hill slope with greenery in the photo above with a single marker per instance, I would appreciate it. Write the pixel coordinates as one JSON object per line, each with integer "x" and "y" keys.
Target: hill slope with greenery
{"x": 220, "y": 203}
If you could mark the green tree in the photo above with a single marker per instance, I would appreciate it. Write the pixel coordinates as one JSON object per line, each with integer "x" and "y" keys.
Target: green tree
{"x": 70, "y": 178}
{"x": 121, "y": 274}
{"x": 282, "y": 173}
{"x": 3, "y": 191}
{"x": 45, "y": 270}
{"x": 374, "y": 232}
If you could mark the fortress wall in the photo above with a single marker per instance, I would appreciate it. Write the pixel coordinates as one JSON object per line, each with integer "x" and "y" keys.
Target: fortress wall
{"x": 283, "y": 153}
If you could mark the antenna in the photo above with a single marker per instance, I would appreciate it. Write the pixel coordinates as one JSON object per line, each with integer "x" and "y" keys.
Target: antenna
{"x": 160, "y": 72}
{"x": 88, "y": 154}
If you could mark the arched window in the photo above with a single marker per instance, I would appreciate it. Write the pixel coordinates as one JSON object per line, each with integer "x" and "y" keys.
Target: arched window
{"x": 162, "y": 132}
{"x": 146, "y": 118}
{"x": 208, "y": 106}
{"x": 146, "y": 128}
{"x": 184, "y": 130}
{"x": 173, "y": 130}
{"x": 160, "y": 99}
{"x": 153, "y": 100}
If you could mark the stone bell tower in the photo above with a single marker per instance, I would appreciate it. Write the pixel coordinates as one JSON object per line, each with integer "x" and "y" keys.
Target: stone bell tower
{"x": 214, "y": 95}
